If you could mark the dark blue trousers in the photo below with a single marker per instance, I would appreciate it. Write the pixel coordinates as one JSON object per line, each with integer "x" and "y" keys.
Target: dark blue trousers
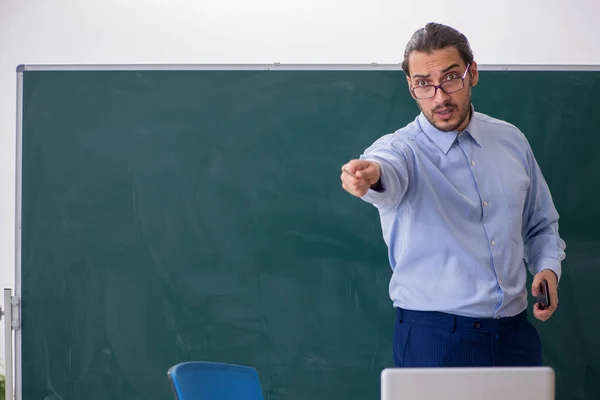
{"x": 435, "y": 339}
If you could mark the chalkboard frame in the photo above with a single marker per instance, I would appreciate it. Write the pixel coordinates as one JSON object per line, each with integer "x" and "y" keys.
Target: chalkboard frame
{"x": 17, "y": 351}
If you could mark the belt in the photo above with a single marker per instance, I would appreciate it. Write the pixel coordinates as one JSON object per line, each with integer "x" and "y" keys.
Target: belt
{"x": 459, "y": 322}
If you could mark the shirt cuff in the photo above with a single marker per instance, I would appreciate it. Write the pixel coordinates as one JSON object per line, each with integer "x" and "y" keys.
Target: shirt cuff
{"x": 373, "y": 196}
{"x": 551, "y": 264}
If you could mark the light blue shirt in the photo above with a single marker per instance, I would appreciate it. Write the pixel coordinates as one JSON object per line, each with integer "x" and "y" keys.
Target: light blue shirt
{"x": 462, "y": 215}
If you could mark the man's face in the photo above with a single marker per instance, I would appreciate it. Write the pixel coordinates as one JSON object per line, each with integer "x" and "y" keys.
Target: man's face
{"x": 447, "y": 112}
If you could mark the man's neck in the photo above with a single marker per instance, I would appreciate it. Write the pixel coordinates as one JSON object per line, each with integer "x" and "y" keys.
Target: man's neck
{"x": 466, "y": 121}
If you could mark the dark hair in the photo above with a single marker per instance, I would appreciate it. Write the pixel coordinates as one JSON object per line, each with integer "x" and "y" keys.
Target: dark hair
{"x": 435, "y": 37}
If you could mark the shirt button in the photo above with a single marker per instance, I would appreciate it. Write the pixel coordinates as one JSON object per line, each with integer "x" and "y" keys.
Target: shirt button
{"x": 500, "y": 281}
{"x": 485, "y": 203}
{"x": 493, "y": 242}
{"x": 473, "y": 162}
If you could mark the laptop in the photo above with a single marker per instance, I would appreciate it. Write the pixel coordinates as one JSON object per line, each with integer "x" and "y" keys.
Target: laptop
{"x": 498, "y": 383}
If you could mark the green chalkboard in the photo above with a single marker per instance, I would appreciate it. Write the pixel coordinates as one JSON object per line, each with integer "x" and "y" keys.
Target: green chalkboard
{"x": 175, "y": 215}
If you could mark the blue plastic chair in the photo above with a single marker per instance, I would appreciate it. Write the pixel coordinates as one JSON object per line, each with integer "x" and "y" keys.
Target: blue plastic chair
{"x": 214, "y": 381}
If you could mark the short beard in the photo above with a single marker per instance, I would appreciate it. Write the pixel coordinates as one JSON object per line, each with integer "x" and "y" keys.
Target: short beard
{"x": 449, "y": 128}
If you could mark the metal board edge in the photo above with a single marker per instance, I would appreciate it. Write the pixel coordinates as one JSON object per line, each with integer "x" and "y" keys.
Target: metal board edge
{"x": 289, "y": 67}
{"x": 18, "y": 223}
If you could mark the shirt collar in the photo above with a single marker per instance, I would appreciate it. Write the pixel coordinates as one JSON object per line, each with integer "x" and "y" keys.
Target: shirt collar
{"x": 473, "y": 128}
{"x": 444, "y": 140}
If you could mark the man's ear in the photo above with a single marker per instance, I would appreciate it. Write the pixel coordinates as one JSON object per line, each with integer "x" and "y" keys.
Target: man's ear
{"x": 474, "y": 73}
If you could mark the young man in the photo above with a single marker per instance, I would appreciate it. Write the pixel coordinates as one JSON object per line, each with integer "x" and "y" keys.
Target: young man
{"x": 463, "y": 204}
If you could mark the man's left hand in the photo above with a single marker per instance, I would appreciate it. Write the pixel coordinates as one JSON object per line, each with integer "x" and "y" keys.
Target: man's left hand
{"x": 550, "y": 276}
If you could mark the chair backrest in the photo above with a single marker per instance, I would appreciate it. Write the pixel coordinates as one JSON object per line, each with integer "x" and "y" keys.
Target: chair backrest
{"x": 214, "y": 381}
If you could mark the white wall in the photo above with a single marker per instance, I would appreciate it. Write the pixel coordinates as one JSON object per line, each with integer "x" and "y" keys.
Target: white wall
{"x": 265, "y": 31}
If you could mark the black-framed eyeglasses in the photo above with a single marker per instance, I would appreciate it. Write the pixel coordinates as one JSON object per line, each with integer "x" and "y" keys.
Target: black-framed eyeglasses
{"x": 449, "y": 86}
